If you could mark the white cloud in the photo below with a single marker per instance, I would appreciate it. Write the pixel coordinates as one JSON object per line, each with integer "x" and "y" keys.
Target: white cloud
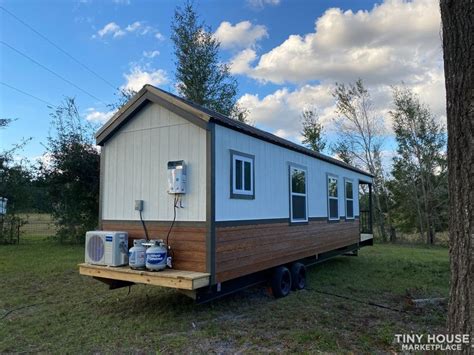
{"x": 395, "y": 42}
{"x": 260, "y": 4}
{"x": 94, "y": 115}
{"x": 241, "y": 35}
{"x": 151, "y": 54}
{"x": 139, "y": 76}
{"x": 138, "y": 28}
{"x": 134, "y": 26}
{"x": 280, "y": 112}
{"x": 391, "y": 42}
{"x": 240, "y": 64}
{"x": 121, "y": 2}
{"x": 111, "y": 29}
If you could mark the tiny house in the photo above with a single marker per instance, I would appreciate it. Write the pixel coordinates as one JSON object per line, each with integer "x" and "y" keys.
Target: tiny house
{"x": 257, "y": 207}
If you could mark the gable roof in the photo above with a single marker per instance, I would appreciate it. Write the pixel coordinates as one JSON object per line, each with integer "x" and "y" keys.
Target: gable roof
{"x": 200, "y": 116}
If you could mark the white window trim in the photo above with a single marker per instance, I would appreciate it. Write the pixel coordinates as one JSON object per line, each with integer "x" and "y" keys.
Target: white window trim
{"x": 349, "y": 199}
{"x": 332, "y": 197}
{"x": 299, "y": 220}
{"x": 242, "y": 191}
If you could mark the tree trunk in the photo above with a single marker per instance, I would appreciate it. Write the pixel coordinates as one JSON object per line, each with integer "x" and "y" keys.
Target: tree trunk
{"x": 458, "y": 47}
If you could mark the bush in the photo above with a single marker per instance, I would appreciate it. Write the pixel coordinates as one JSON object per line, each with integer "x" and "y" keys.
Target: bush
{"x": 72, "y": 174}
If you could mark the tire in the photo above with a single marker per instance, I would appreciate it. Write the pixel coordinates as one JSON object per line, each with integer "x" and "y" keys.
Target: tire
{"x": 281, "y": 282}
{"x": 298, "y": 276}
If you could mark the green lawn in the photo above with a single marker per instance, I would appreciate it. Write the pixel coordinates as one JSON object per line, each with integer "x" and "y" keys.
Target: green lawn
{"x": 56, "y": 310}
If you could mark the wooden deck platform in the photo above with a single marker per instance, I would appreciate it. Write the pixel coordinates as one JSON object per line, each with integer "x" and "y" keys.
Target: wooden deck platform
{"x": 179, "y": 279}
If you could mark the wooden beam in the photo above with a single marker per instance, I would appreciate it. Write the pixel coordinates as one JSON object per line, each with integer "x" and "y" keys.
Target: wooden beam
{"x": 184, "y": 280}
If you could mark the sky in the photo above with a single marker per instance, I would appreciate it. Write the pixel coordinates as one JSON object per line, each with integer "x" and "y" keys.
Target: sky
{"x": 286, "y": 56}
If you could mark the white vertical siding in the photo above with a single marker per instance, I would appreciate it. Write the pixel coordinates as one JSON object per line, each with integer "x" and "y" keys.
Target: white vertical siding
{"x": 136, "y": 160}
{"x": 272, "y": 181}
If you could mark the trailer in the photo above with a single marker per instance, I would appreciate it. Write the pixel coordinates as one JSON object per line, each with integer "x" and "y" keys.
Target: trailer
{"x": 253, "y": 207}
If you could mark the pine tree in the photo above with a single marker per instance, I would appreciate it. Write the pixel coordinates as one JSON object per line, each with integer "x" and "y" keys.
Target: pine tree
{"x": 312, "y": 131}
{"x": 200, "y": 76}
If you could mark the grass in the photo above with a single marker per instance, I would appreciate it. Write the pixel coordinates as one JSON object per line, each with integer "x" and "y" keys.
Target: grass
{"x": 56, "y": 310}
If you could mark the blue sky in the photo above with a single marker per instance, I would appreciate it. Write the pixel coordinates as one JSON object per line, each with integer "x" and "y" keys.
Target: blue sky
{"x": 286, "y": 55}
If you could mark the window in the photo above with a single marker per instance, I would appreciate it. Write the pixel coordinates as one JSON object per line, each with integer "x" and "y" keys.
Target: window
{"x": 349, "y": 199}
{"x": 298, "y": 206}
{"x": 333, "y": 208}
{"x": 242, "y": 175}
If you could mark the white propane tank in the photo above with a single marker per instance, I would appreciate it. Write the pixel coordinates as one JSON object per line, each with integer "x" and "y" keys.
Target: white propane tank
{"x": 156, "y": 256}
{"x": 136, "y": 254}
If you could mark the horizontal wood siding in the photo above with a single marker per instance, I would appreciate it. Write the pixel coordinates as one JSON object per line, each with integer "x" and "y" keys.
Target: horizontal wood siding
{"x": 242, "y": 250}
{"x": 187, "y": 240}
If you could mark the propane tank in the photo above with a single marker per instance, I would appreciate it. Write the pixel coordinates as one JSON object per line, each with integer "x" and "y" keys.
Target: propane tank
{"x": 156, "y": 256}
{"x": 136, "y": 254}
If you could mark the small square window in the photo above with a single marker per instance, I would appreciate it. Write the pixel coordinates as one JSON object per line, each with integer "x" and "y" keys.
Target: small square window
{"x": 242, "y": 176}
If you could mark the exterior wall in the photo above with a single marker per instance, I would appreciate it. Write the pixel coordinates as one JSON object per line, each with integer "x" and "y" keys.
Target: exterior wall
{"x": 241, "y": 250}
{"x": 188, "y": 240}
{"x": 135, "y": 167}
{"x": 254, "y": 235}
{"x": 272, "y": 180}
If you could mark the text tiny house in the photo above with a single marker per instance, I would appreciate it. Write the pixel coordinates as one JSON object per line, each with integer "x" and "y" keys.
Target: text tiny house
{"x": 232, "y": 204}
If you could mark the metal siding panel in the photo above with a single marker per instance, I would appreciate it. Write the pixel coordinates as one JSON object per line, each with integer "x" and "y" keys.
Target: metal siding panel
{"x": 113, "y": 178}
{"x": 156, "y": 146}
{"x": 121, "y": 157}
{"x": 105, "y": 196}
{"x": 136, "y": 168}
{"x": 146, "y": 177}
{"x": 271, "y": 179}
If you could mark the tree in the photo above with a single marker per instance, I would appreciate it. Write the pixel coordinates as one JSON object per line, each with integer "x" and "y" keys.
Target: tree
{"x": 419, "y": 169}
{"x": 4, "y": 122}
{"x": 15, "y": 175}
{"x": 72, "y": 173}
{"x": 200, "y": 77}
{"x": 123, "y": 96}
{"x": 342, "y": 151}
{"x": 240, "y": 114}
{"x": 360, "y": 138}
{"x": 312, "y": 131}
{"x": 458, "y": 48}
{"x": 15, "y": 183}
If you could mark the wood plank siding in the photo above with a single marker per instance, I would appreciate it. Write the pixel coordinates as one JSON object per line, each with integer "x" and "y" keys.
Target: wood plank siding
{"x": 187, "y": 240}
{"x": 241, "y": 250}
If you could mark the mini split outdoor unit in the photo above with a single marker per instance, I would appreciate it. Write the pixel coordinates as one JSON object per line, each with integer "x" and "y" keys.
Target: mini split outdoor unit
{"x": 107, "y": 248}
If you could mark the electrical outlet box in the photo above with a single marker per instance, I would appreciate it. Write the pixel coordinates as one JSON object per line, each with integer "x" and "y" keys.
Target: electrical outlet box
{"x": 138, "y": 205}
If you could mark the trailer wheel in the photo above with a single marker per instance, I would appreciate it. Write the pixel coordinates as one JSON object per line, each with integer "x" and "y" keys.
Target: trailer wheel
{"x": 298, "y": 276}
{"x": 281, "y": 282}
